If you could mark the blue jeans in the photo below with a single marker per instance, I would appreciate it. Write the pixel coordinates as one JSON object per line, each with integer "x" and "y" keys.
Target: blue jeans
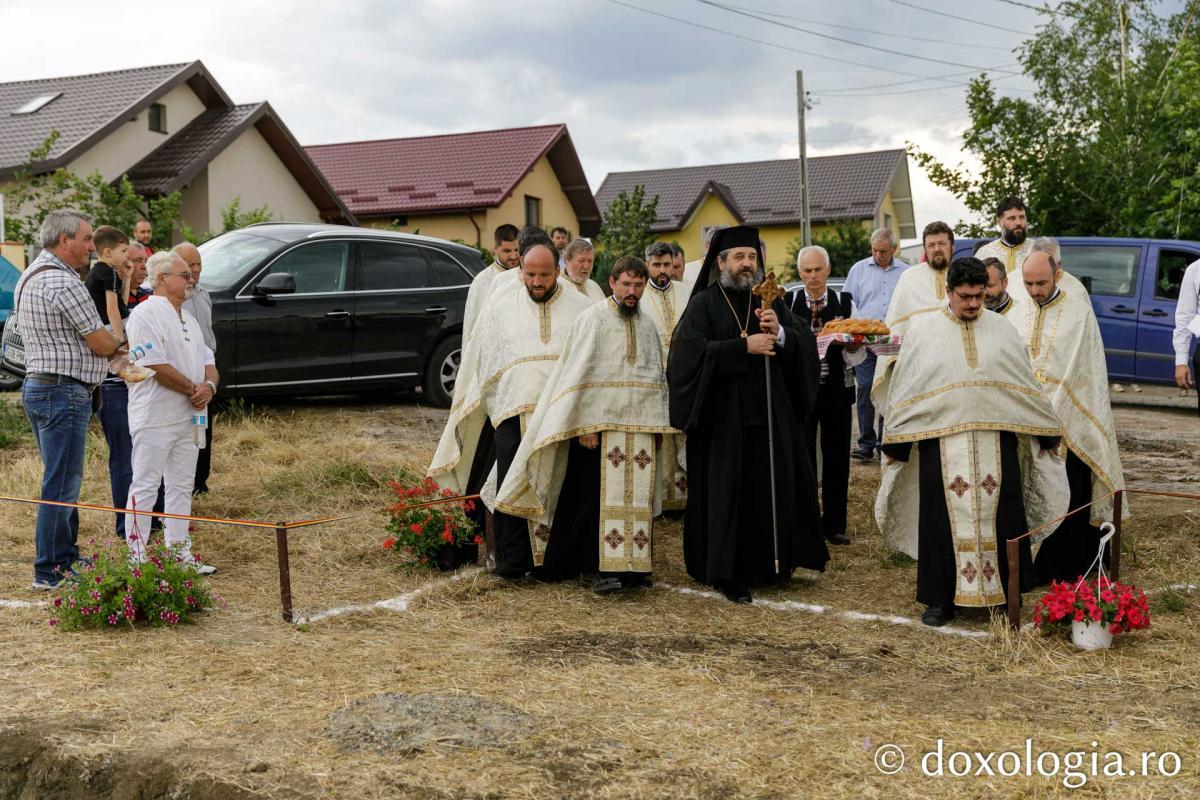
{"x": 864, "y": 376}
{"x": 59, "y": 415}
{"x": 114, "y": 419}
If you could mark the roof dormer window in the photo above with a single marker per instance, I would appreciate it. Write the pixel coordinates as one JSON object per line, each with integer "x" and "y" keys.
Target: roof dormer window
{"x": 37, "y": 103}
{"x": 158, "y": 118}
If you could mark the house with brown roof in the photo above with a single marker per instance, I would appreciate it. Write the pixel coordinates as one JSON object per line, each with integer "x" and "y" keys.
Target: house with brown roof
{"x": 869, "y": 188}
{"x": 169, "y": 127}
{"x": 464, "y": 185}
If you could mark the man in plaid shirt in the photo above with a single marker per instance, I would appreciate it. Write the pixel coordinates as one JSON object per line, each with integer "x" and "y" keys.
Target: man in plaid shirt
{"x": 66, "y": 352}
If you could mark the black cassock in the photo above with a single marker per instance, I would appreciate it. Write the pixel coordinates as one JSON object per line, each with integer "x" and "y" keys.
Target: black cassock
{"x": 718, "y": 396}
{"x": 1069, "y": 551}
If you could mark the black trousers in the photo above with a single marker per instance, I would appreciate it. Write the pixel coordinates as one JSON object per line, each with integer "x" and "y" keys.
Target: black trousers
{"x": 937, "y": 566}
{"x": 514, "y": 557}
{"x": 832, "y": 417}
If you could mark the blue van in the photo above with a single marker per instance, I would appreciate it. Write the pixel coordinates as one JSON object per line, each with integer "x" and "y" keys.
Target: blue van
{"x": 9, "y": 275}
{"x": 1134, "y": 284}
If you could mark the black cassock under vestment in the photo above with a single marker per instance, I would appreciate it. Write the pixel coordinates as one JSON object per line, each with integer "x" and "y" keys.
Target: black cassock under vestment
{"x": 1072, "y": 548}
{"x": 514, "y": 556}
{"x": 937, "y": 564}
{"x": 718, "y": 396}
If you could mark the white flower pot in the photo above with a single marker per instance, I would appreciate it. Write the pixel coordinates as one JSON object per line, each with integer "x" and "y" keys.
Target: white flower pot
{"x": 1090, "y": 635}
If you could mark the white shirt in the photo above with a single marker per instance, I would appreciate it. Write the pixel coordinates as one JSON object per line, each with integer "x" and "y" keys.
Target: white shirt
{"x": 177, "y": 341}
{"x": 1185, "y": 312}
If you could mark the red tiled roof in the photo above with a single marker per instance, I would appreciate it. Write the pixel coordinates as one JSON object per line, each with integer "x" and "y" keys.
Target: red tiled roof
{"x": 435, "y": 173}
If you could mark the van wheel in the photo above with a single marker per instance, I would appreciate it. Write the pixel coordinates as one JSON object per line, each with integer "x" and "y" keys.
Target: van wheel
{"x": 441, "y": 373}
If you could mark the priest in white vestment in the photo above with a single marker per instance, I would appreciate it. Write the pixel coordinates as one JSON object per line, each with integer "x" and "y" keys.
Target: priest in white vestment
{"x": 1012, "y": 248}
{"x": 664, "y": 302}
{"x": 1058, "y": 325}
{"x": 984, "y": 468}
{"x": 920, "y": 290}
{"x": 578, "y": 260}
{"x": 588, "y": 469}
{"x": 521, "y": 333}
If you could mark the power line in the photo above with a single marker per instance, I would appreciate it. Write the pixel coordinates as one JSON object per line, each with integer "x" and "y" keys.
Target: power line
{"x": 891, "y": 34}
{"x": 1032, "y": 7}
{"x": 833, "y": 38}
{"x": 822, "y": 56}
{"x": 915, "y": 80}
{"x": 961, "y": 19}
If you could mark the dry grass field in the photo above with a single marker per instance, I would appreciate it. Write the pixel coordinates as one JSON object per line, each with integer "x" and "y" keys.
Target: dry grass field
{"x": 470, "y": 687}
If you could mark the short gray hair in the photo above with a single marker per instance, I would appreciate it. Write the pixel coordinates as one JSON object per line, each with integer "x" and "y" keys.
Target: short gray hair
{"x": 64, "y": 222}
{"x": 879, "y": 234}
{"x": 576, "y": 247}
{"x": 814, "y": 248}
{"x": 711, "y": 232}
{"x": 182, "y": 245}
{"x": 159, "y": 264}
{"x": 1049, "y": 246}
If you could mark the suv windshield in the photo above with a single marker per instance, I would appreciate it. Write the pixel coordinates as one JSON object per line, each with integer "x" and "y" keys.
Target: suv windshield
{"x": 227, "y": 258}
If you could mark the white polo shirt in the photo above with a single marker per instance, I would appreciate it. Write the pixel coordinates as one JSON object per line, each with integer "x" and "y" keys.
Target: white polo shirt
{"x": 179, "y": 342}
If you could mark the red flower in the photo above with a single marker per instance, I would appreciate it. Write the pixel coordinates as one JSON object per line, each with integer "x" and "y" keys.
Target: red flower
{"x": 417, "y": 528}
{"x": 478, "y": 539}
{"x": 448, "y": 536}
{"x": 389, "y": 543}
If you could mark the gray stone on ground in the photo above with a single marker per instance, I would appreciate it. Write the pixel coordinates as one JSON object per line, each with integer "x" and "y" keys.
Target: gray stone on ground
{"x": 411, "y": 723}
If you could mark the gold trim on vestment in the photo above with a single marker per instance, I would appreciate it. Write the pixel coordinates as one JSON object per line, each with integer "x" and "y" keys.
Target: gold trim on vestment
{"x": 1015, "y": 387}
{"x": 916, "y": 313}
{"x": 970, "y": 350}
{"x": 656, "y": 386}
{"x": 544, "y": 315}
{"x": 972, "y": 426}
{"x": 939, "y": 283}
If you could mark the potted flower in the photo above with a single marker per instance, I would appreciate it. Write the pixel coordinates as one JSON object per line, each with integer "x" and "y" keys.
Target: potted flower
{"x": 429, "y": 529}
{"x": 1095, "y": 610}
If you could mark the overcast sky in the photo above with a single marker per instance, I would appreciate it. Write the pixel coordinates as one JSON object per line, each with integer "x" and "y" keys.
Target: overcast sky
{"x": 636, "y": 90}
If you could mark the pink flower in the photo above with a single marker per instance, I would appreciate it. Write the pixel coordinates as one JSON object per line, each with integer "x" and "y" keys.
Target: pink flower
{"x": 53, "y": 622}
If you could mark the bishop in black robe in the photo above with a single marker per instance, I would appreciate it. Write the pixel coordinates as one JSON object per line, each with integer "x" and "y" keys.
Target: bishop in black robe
{"x": 718, "y": 397}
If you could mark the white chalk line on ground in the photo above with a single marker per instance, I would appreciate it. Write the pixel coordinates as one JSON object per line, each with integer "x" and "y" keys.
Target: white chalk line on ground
{"x": 399, "y": 603}
{"x": 811, "y": 608}
{"x": 22, "y": 603}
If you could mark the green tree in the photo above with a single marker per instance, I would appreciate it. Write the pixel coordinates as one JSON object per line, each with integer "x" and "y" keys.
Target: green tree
{"x": 846, "y": 243}
{"x": 626, "y": 227}
{"x": 1108, "y": 145}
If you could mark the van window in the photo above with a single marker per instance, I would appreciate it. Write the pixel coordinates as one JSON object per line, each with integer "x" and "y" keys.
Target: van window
{"x": 1171, "y": 265}
{"x": 1112, "y": 268}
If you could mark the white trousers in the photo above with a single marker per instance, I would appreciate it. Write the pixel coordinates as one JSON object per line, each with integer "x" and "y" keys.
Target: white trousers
{"x": 167, "y": 455}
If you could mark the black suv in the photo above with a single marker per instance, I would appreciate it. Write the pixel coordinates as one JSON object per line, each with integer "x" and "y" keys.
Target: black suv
{"x": 304, "y": 308}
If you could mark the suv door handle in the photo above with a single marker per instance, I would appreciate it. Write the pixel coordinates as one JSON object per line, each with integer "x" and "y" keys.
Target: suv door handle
{"x": 1155, "y": 312}
{"x": 1123, "y": 310}
{"x": 338, "y": 314}
{"x": 436, "y": 310}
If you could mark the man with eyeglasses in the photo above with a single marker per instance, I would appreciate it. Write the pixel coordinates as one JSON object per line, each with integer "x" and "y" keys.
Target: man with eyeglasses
{"x": 165, "y": 442}
{"x": 985, "y": 466}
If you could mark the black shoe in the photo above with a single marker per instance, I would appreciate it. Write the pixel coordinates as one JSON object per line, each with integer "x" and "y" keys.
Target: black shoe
{"x": 737, "y": 594}
{"x": 863, "y": 454}
{"x": 636, "y": 582}
{"x": 510, "y": 573}
{"x": 937, "y": 616}
{"x": 199, "y": 490}
{"x": 837, "y": 538}
{"x": 607, "y": 586}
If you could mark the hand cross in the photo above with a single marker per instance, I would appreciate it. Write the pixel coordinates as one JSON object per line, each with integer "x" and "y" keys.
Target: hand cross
{"x": 769, "y": 291}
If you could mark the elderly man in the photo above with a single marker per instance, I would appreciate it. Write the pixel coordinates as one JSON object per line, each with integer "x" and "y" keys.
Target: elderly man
{"x": 199, "y": 303}
{"x": 66, "y": 352}
{"x": 1012, "y": 247}
{"x": 580, "y": 256}
{"x": 815, "y": 306}
{"x": 871, "y": 282}
{"x": 143, "y": 232}
{"x": 136, "y": 293}
{"x": 163, "y": 410}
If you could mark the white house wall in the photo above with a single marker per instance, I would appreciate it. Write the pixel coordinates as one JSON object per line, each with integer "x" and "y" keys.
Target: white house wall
{"x": 132, "y": 141}
{"x": 249, "y": 169}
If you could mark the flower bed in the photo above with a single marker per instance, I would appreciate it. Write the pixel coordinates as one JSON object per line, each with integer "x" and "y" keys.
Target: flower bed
{"x": 440, "y": 535}
{"x": 108, "y": 590}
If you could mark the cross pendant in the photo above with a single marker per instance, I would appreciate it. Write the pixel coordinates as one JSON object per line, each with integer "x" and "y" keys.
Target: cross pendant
{"x": 745, "y": 335}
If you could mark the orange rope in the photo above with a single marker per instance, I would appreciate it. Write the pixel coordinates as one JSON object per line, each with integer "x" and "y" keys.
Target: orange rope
{"x": 1073, "y": 511}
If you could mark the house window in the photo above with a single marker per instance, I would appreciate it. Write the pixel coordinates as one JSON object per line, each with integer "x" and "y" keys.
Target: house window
{"x": 158, "y": 118}
{"x": 533, "y": 211}
{"x": 887, "y": 221}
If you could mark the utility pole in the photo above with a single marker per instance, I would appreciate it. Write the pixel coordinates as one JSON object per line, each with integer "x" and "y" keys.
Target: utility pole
{"x": 803, "y": 103}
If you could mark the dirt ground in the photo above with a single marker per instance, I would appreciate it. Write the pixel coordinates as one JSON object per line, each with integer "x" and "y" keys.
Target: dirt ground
{"x": 472, "y": 687}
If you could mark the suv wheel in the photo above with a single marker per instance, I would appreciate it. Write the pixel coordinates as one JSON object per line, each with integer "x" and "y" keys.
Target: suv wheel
{"x": 441, "y": 372}
{"x": 9, "y": 382}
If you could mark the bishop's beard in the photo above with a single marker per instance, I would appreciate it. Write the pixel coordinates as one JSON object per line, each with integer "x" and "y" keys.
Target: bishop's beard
{"x": 742, "y": 282}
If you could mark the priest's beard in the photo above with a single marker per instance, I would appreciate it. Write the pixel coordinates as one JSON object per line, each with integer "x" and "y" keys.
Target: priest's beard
{"x": 939, "y": 262}
{"x": 742, "y": 282}
{"x": 627, "y": 311}
{"x": 995, "y": 302}
{"x": 662, "y": 281}
{"x": 1014, "y": 238}
{"x": 545, "y": 296}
